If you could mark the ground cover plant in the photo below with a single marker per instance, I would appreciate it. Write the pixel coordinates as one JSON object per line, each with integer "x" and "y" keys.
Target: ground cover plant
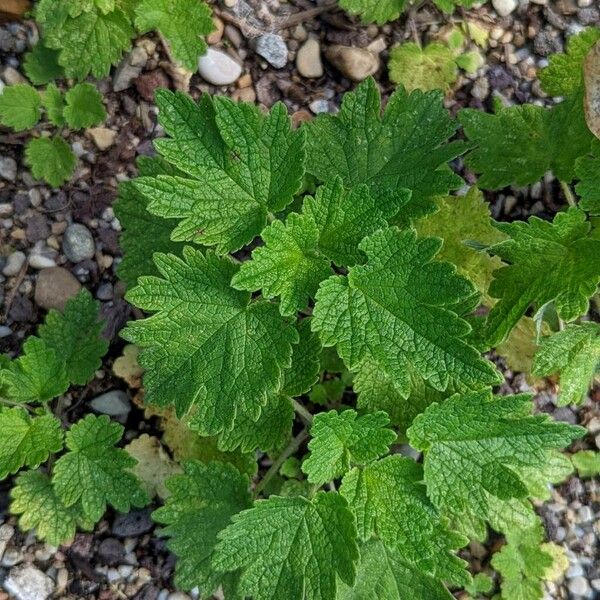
{"x": 328, "y": 302}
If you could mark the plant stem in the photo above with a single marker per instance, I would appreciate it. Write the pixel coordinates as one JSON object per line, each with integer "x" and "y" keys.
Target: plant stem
{"x": 8, "y": 402}
{"x": 292, "y": 447}
{"x": 303, "y": 413}
{"x": 568, "y": 193}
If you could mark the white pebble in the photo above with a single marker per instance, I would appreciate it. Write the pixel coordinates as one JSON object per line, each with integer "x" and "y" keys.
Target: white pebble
{"x": 218, "y": 68}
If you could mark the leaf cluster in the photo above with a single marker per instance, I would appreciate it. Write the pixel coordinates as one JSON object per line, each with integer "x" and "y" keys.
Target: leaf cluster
{"x": 22, "y": 107}
{"x": 333, "y": 278}
{"x": 82, "y": 37}
{"x": 64, "y": 479}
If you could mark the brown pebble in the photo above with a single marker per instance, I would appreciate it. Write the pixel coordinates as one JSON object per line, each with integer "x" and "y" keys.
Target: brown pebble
{"x": 54, "y": 286}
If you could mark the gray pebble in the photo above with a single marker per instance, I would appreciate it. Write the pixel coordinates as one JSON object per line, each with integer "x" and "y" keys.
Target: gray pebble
{"x": 114, "y": 403}
{"x": 273, "y": 49}
{"x": 14, "y": 263}
{"x": 579, "y": 586}
{"x": 25, "y": 582}
{"x": 8, "y": 168}
{"x": 78, "y": 243}
{"x": 105, "y": 291}
{"x": 133, "y": 523}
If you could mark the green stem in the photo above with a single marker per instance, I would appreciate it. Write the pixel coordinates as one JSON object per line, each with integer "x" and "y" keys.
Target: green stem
{"x": 8, "y": 402}
{"x": 291, "y": 448}
{"x": 303, "y": 413}
{"x": 568, "y": 193}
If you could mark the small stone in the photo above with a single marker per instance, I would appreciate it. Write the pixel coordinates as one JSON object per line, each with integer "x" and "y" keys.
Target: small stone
{"x": 301, "y": 116}
{"x": 12, "y": 77}
{"x": 129, "y": 68}
{"x": 579, "y": 586}
{"x": 132, "y": 524}
{"x": 37, "y": 228}
{"x": 215, "y": 36}
{"x": 6, "y": 210}
{"x": 8, "y": 168}
{"x": 218, "y": 68}
{"x": 105, "y": 291}
{"x": 42, "y": 257}
{"x": 103, "y": 137}
{"x": 504, "y": 7}
{"x": 25, "y": 582}
{"x": 54, "y": 286}
{"x": 586, "y": 514}
{"x": 178, "y": 596}
{"x": 14, "y": 264}
{"x": 148, "y": 83}
{"x": 6, "y": 533}
{"x": 78, "y": 243}
{"x": 273, "y": 49}
{"x": 354, "y": 63}
{"x": 114, "y": 403}
{"x": 5, "y": 331}
{"x": 111, "y": 551}
{"x": 308, "y": 59}
{"x": 480, "y": 89}
{"x": 320, "y": 106}
{"x": 244, "y": 95}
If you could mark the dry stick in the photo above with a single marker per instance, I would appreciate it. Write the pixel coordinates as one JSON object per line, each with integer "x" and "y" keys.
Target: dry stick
{"x": 13, "y": 292}
{"x": 292, "y": 447}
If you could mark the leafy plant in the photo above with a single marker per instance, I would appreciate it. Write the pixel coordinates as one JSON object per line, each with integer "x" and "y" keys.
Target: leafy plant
{"x": 51, "y": 158}
{"x": 322, "y": 324}
{"x": 382, "y": 11}
{"x": 434, "y": 66}
{"x": 65, "y": 479}
{"x": 81, "y": 37}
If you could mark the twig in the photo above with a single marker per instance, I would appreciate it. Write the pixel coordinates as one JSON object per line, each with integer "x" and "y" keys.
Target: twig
{"x": 13, "y": 292}
{"x": 305, "y": 15}
{"x": 292, "y": 447}
{"x": 302, "y": 412}
{"x": 568, "y": 193}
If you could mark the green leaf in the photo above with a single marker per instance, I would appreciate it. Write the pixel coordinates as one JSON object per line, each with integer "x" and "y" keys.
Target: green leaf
{"x": 291, "y": 548}
{"x": 75, "y": 336}
{"x": 404, "y": 150}
{"x": 27, "y": 441}
{"x": 207, "y": 344}
{"x": 89, "y": 39}
{"x": 269, "y": 432}
{"x": 547, "y": 262}
{"x": 587, "y": 463}
{"x": 54, "y": 104}
{"x": 474, "y": 445}
{"x": 340, "y": 440}
{"x": 38, "y": 375}
{"x": 143, "y": 233}
{"x": 297, "y": 256}
{"x": 374, "y": 11}
{"x": 461, "y": 219}
{"x": 182, "y": 22}
{"x": 20, "y": 106}
{"x": 305, "y": 367}
{"x": 50, "y": 159}
{"x": 416, "y": 68}
{"x": 379, "y": 391}
{"x": 384, "y": 574}
{"x": 575, "y": 354}
{"x": 517, "y": 145}
{"x": 240, "y": 165}
{"x": 202, "y": 501}
{"x": 390, "y": 502}
{"x": 564, "y": 73}
{"x": 41, "y": 65}
{"x": 587, "y": 169}
{"x": 84, "y": 106}
{"x": 523, "y": 565}
{"x": 288, "y": 265}
{"x": 94, "y": 472}
{"x": 35, "y": 501}
{"x": 408, "y": 327}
